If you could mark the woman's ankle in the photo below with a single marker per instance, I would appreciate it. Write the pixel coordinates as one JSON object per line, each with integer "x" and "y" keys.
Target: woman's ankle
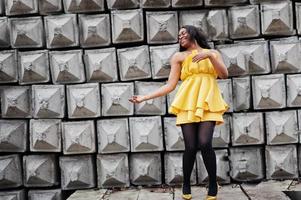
{"x": 186, "y": 188}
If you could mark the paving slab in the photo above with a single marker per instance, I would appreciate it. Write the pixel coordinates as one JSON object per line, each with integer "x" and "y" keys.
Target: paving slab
{"x": 196, "y": 191}
{"x": 156, "y": 194}
{"x": 131, "y": 194}
{"x": 91, "y": 194}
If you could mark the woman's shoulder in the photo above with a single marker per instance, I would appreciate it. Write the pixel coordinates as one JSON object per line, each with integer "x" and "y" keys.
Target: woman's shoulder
{"x": 180, "y": 56}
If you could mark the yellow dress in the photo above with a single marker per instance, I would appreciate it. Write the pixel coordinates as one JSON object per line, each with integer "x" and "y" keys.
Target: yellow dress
{"x": 198, "y": 98}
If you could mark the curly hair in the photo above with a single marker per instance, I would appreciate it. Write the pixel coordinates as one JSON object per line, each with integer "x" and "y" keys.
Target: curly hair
{"x": 196, "y": 34}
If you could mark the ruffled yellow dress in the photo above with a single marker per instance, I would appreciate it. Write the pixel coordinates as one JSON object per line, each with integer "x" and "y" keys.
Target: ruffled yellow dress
{"x": 198, "y": 98}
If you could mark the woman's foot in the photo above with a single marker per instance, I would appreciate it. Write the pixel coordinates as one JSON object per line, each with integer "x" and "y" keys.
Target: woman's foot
{"x": 186, "y": 192}
{"x": 212, "y": 189}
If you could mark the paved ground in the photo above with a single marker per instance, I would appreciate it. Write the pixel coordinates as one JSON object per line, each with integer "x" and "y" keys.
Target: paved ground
{"x": 268, "y": 190}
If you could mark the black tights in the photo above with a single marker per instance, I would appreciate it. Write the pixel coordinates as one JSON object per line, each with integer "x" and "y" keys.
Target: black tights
{"x": 199, "y": 136}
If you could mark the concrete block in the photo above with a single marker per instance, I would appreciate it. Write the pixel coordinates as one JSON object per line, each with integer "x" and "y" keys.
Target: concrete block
{"x": 50, "y": 7}
{"x": 101, "y": 65}
{"x": 113, "y": 135}
{"x": 217, "y": 24}
{"x": 241, "y": 93}
{"x": 225, "y": 2}
{"x": 281, "y": 162}
{"x": 248, "y": 129}
{"x": 130, "y": 194}
{"x": 2, "y": 9}
{"x": 54, "y": 194}
{"x": 293, "y": 86}
{"x": 145, "y": 169}
{"x": 152, "y": 106}
{"x": 246, "y": 164}
{"x": 45, "y": 135}
{"x": 197, "y": 18}
{"x": 4, "y": 30}
{"x": 225, "y": 86}
{"x": 33, "y": 67}
{"x": 173, "y": 135}
{"x": 113, "y": 170}
{"x": 77, "y": 172}
{"x": 115, "y": 99}
{"x": 134, "y": 63}
{"x": 160, "y": 60}
{"x": 186, "y": 3}
{"x": 298, "y": 17}
{"x": 121, "y": 4}
{"x": 284, "y": 55}
{"x": 21, "y": 7}
{"x": 146, "y": 134}
{"x": 10, "y": 171}
{"x": 264, "y": 1}
{"x": 171, "y": 95}
{"x": 67, "y": 66}
{"x": 78, "y": 137}
{"x": 8, "y": 66}
{"x": 221, "y": 135}
{"x": 13, "y": 194}
{"x": 83, "y": 6}
{"x": 127, "y": 26}
{"x": 94, "y": 30}
{"x": 40, "y": 170}
{"x": 48, "y": 101}
{"x": 26, "y": 32}
{"x": 222, "y": 170}
{"x": 13, "y": 135}
{"x": 268, "y": 91}
{"x": 162, "y": 27}
{"x": 277, "y": 18}
{"x": 91, "y": 194}
{"x": 154, "y": 3}
{"x": 83, "y": 100}
{"x": 16, "y": 101}
{"x": 282, "y": 127}
{"x": 61, "y": 31}
{"x": 244, "y": 21}
{"x": 174, "y": 169}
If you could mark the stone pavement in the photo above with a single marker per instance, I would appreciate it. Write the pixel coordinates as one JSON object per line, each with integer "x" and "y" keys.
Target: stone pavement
{"x": 265, "y": 190}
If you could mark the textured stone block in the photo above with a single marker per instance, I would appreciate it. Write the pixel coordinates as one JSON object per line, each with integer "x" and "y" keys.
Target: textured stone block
{"x": 95, "y": 30}
{"x": 50, "y": 6}
{"x": 186, "y": 3}
{"x": 225, "y": 86}
{"x": 113, "y": 170}
{"x": 121, "y": 4}
{"x": 221, "y": 135}
{"x": 282, "y": 127}
{"x": 299, "y": 122}
{"x": 217, "y": 24}
{"x": 10, "y": 171}
{"x": 160, "y": 60}
{"x": 277, "y": 18}
{"x": 83, "y": 100}
{"x": 171, "y": 95}
{"x": 162, "y": 27}
{"x": 241, "y": 93}
{"x": 4, "y": 32}
{"x": 40, "y": 170}
{"x": 222, "y": 170}
{"x": 113, "y": 135}
{"x": 16, "y": 102}
{"x": 101, "y": 65}
{"x": 281, "y": 162}
{"x": 27, "y": 32}
{"x": 248, "y": 129}
{"x": 225, "y": 2}
{"x": 127, "y": 26}
{"x": 21, "y": 7}
{"x": 134, "y": 63}
{"x": 174, "y": 169}
{"x": 145, "y": 169}
{"x": 77, "y": 172}
{"x": 268, "y": 91}
{"x": 48, "y": 101}
{"x": 197, "y": 18}
{"x": 61, "y": 31}
{"x": 293, "y": 87}
{"x": 298, "y": 16}
{"x": 54, "y": 194}
{"x": 152, "y": 106}
{"x": 13, "y": 135}
{"x": 13, "y": 194}
{"x": 244, "y": 21}
{"x": 33, "y": 67}
{"x": 8, "y": 66}
{"x": 115, "y": 99}
{"x": 173, "y": 135}
{"x": 146, "y": 134}
{"x": 80, "y": 6}
{"x": 78, "y": 137}
{"x": 45, "y": 135}
{"x": 246, "y": 163}
{"x": 154, "y": 3}
{"x": 67, "y": 66}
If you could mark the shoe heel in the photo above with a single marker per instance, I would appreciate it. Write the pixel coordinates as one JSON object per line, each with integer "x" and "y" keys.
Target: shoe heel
{"x": 186, "y": 196}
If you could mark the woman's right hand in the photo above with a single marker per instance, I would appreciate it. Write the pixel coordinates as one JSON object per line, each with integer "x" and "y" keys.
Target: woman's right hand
{"x": 137, "y": 99}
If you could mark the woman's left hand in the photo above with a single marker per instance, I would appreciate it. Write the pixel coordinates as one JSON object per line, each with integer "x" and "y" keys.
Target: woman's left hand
{"x": 201, "y": 55}
{"x": 137, "y": 98}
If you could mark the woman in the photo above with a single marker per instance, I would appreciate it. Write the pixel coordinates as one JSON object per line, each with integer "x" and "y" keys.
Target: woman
{"x": 198, "y": 103}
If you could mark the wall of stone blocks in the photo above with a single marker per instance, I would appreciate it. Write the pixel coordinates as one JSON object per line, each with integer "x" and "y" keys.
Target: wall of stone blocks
{"x": 68, "y": 67}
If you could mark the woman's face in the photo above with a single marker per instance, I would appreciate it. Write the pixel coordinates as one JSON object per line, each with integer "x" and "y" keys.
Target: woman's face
{"x": 184, "y": 38}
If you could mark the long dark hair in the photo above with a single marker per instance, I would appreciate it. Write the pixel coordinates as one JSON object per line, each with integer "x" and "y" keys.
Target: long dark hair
{"x": 198, "y": 35}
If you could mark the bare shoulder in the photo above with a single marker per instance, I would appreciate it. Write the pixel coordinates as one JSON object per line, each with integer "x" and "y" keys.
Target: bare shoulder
{"x": 178, "y": 56}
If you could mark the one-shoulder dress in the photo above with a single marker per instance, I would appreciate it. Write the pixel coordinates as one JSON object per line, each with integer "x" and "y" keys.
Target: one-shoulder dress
{"x": 198, "y": 97}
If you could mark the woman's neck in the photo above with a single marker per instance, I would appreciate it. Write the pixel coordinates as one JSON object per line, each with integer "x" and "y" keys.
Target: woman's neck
{"x": 194, "y": 47}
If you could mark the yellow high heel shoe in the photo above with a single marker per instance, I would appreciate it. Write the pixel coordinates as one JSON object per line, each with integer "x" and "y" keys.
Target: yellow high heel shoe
{"x": 186, "y": 196}
{"x": 208, "y": 197}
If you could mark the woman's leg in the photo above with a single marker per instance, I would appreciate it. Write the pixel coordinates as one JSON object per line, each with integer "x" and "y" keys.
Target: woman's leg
{"x": 205, "y": 134}
{"x": 189, "y": 131}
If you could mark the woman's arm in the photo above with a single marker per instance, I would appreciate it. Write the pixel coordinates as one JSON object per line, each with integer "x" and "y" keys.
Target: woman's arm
{"x": 218, "y": 63}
